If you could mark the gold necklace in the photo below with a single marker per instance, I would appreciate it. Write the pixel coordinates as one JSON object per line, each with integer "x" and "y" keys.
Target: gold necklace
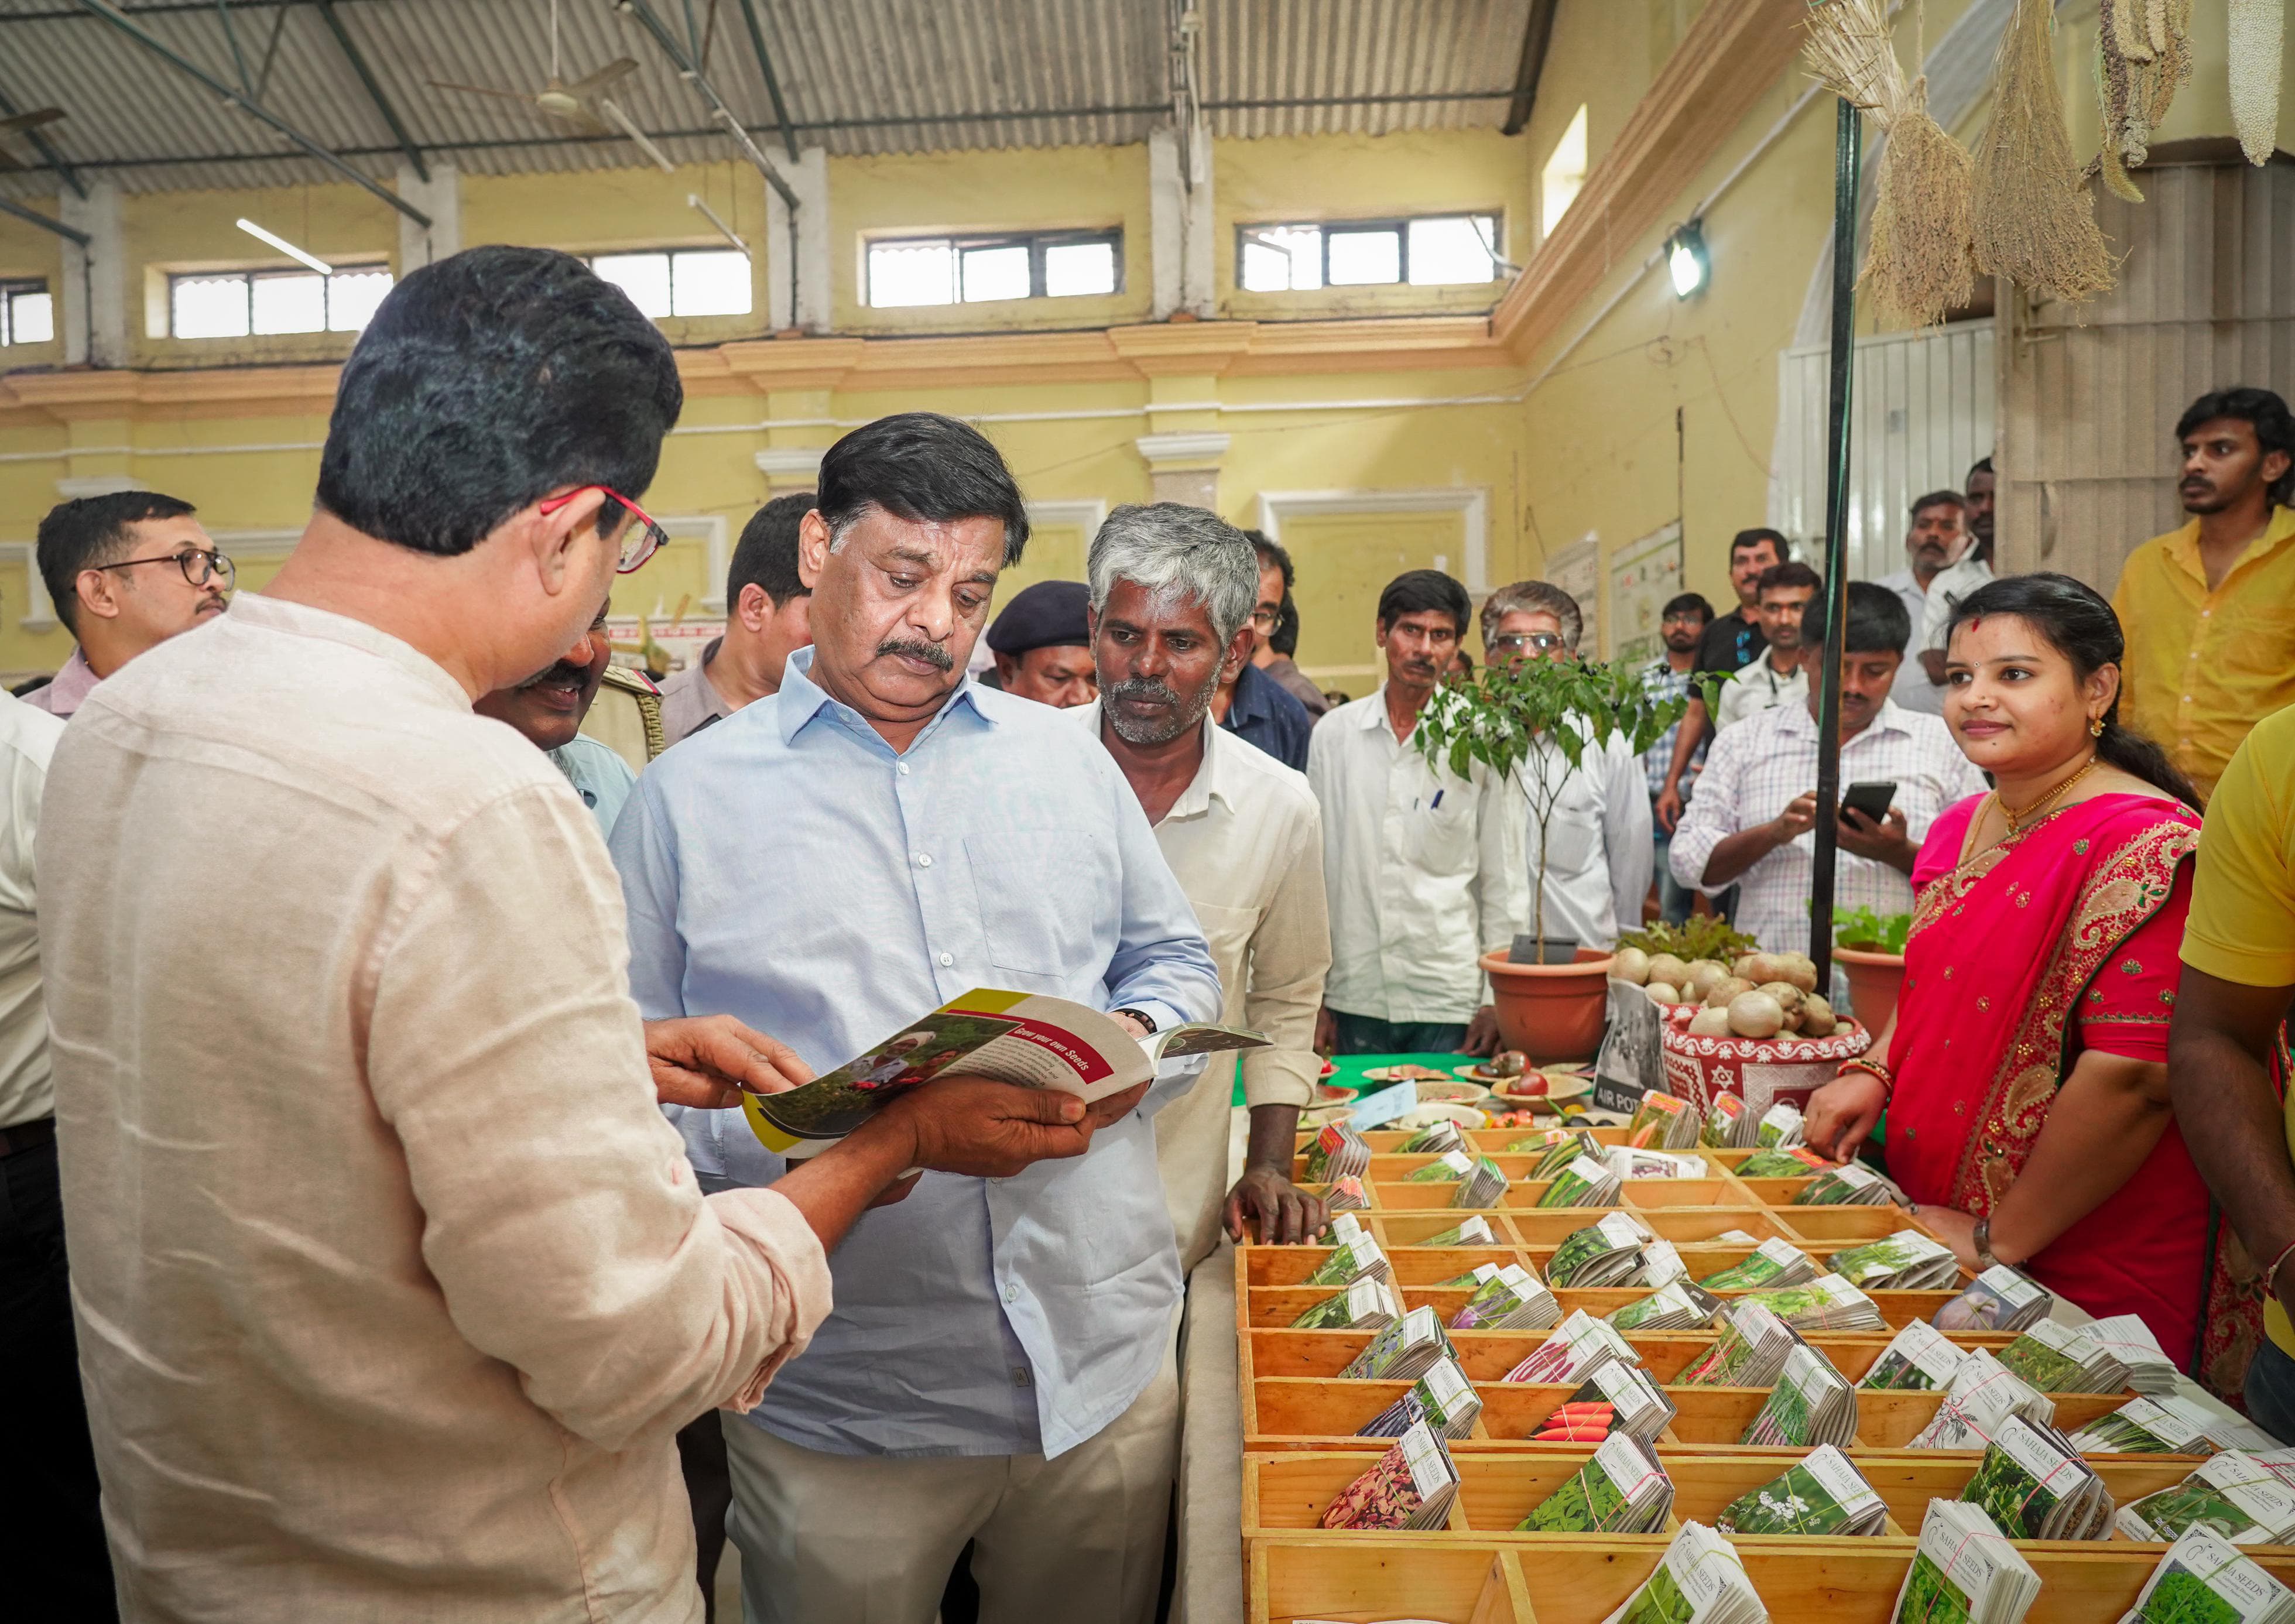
{"x": 2016, "y": 820}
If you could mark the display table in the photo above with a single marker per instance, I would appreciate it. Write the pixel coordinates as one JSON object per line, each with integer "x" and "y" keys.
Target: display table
{"x": 1327, "y": 1575}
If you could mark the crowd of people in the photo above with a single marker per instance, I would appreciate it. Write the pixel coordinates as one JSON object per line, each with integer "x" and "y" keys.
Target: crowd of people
{"x": 377, "y": 1035}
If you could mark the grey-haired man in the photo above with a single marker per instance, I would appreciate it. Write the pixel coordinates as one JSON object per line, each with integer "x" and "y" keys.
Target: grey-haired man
{"x": 1173, "y": 589}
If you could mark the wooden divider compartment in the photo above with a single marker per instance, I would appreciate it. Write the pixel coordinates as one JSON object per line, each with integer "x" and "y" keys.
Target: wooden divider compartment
{"x": 1287, "y": 1493}
{"x": 1275, "y": 1307}
{"x": 1432, "y": 1265}
{"x": 1714, "y": 1418}
{"x": 1344, "y": 1578}
{"x": 1333, "y": 1581}
{"x": 1820, "y": 1229}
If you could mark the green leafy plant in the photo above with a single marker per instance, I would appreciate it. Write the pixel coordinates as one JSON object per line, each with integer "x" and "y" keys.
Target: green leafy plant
{"x": 1704, "y": 935}
{"x": 1872, "y": 933}
{"x": 1500, "y": 718}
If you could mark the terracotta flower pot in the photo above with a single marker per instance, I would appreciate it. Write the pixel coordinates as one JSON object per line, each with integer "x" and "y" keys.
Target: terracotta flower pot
{"x": 1762, "y": 1072}
{"x": 1873, "y": 980}
{"x": 1552, "y": 1012}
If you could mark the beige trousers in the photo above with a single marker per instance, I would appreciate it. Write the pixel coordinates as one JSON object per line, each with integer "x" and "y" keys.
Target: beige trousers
{"x": 870, "y": 1539}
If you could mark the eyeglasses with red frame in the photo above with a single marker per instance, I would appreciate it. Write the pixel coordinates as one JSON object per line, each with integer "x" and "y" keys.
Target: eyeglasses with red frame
{"x": 641, "y": 539}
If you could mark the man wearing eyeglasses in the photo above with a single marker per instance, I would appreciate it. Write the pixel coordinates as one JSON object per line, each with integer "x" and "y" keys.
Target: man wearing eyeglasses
{"x": 1252, "y": 704}
{"x": 127, "y": 572}
{"x": 1598, "y": 860}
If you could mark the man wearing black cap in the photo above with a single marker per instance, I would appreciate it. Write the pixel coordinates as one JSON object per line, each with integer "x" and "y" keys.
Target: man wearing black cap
{"x": 1043, "y": 646}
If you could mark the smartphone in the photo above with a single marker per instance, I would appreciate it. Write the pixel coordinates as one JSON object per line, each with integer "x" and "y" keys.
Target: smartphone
{"x": 1869, "y": 798}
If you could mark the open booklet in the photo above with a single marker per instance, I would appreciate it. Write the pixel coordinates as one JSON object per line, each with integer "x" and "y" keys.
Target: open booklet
{"x": 1022, "y": 1038}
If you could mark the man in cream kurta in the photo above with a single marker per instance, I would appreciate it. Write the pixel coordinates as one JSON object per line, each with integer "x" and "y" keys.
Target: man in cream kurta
{"x": 392, "y": 1284}
{"x": 1245, "y": 840}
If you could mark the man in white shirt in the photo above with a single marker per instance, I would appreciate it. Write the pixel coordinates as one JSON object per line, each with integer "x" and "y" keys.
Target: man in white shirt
{"x": 1780, "y": 674}
{"x": 1424, "y": 869}
{"x": 56, "y": 1532}
{"x": 1171, "y": 597}
{"x": 1597, "y": 851}
{"x": 1938, "y": 537}
{"x": 1756, "y": 805}
{"x": 127, "y": 571}
{"x": 1961, "y": 577}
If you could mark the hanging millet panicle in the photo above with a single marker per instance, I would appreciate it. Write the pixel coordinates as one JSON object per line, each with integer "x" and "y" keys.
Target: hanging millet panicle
{"x": 2034, "y": 222}
{"x": 2143, "y": 56}
{"x": 2257, "y": 37}
{"x": 1918, "y": 263}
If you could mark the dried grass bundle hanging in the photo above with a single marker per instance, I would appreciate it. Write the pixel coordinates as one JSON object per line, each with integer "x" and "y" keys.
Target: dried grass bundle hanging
{"x": 1919, "y": 262}
{"x": 2258, "y": 37}
{"x": 2143, "y": 56}
{"x": 2034, "y": 222}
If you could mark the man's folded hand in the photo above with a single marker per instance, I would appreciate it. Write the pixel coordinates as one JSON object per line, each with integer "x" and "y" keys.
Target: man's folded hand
{"x": 710, "y": 1061}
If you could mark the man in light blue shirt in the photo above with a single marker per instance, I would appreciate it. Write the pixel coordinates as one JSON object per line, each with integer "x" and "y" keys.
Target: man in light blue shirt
{"x": 828, "y": 863}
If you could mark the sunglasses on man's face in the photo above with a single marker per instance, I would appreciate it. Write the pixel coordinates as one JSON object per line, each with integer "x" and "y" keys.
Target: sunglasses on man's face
{"x": 1540, "y": 643}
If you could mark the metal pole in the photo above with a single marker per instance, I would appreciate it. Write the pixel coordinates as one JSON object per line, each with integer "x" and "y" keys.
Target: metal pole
{"x": 34, "y": 218}
{"x": 357, "y": 59}
{"x": 240, "y": 99}
{"x": 690, "y": 70}
{"x": 1836, "y": 541}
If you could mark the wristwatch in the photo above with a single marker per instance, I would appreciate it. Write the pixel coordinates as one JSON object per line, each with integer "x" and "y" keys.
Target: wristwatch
{"x": 1979, "y": 1241}
{"x": 1141, "y": 1016}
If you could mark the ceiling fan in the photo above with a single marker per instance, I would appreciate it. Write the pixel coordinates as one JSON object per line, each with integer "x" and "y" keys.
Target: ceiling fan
{"x": 581, "y": 103}
{"x": 19, "y": 123}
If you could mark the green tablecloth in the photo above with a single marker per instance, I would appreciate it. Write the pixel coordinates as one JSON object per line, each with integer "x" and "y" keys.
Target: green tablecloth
{"x": 1351, "y": 1067}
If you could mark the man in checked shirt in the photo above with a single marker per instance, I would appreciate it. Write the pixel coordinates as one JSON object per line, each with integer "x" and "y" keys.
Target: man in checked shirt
{"x": 1752, "y": 821}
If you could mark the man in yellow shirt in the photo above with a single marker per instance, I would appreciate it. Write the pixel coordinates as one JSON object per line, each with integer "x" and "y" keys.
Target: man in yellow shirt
{"x": 2239, "y": 976}
{"x": 2210, "y": 609}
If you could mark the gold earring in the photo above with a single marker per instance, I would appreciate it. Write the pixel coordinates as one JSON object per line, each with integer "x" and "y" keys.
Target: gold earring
{"x": 2095, "y": 727}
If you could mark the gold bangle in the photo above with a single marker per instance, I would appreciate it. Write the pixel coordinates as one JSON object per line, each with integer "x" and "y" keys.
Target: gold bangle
{"x": 1871, "y": 1068}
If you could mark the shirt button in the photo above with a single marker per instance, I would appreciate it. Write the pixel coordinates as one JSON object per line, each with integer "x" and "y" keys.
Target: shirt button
{"x": 924, "y": 859}
{"x": 1011, "y": 1293}
{"x": 902, "y": 769}
{"x": 947, "y": 960}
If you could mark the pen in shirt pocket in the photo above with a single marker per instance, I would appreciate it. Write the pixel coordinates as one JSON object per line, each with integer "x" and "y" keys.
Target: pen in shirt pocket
{"x": 1436, "y": 803}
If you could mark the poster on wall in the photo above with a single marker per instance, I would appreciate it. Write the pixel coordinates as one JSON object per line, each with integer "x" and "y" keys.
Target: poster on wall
{"x": 1644, "y": 575}
{"x": 1577, "y": 569}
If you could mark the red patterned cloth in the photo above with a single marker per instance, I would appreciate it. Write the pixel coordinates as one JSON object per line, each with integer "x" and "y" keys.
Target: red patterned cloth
{"x": 2063, "y": 938}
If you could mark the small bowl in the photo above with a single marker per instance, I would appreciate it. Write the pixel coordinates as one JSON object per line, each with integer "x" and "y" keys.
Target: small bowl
{"x": 1426, "y": 1116}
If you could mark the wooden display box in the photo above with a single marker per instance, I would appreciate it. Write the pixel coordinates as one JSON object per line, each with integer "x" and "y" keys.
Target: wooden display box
{"x": 1350, "y": 1579}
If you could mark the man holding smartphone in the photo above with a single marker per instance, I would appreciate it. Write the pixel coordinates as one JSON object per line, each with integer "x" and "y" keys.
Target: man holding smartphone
{"x": 1752, "y": 821}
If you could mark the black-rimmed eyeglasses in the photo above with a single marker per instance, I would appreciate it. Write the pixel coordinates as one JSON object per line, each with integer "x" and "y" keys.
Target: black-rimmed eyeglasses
{"x": 200, "y": 566}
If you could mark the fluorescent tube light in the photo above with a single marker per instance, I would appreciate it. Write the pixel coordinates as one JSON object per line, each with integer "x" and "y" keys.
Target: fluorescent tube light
{"x": 287, "y": 248}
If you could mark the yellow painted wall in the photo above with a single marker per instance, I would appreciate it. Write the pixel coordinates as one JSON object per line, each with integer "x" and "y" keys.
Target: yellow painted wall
{"x": 1079, "y": 188}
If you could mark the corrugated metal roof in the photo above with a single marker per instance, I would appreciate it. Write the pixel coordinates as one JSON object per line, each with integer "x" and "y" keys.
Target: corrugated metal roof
{"x": 858, "y": 76}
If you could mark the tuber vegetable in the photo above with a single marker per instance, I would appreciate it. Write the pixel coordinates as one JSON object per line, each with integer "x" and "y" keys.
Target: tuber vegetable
{"x": 1667, "y": 968}
{"x": 1710, "y": 1023}
{"x": 1662, "y": 994}
{"x": 1755, "y": 1015}
{"x": 1632, "y": 965}
{"x": 1817, "y": 1017}
{"x": 1718, "y": 997}
{"x": 1799, "y": 968}
{"x": 1704, "y": 976}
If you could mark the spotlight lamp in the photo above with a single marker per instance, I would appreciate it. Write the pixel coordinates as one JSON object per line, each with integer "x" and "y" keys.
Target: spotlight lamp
{"x": 1685, "y": 259}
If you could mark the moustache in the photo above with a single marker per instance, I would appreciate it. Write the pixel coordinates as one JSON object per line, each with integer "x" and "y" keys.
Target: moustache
{"x": 558, "y": 675}
{"x": 932, "y": 654}
{"x": 1150, "y": 690}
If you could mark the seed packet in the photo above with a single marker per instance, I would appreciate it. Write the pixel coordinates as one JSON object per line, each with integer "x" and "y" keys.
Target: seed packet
{"x": 1821, "y": 1494}
{"x": 1411, "y": 1487}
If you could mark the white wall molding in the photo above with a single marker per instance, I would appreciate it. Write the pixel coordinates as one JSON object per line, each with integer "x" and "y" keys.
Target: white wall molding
{"x": 1087, "y": 515}
{"x": 1471, "y": 503}
{"x": 789, "y": 468}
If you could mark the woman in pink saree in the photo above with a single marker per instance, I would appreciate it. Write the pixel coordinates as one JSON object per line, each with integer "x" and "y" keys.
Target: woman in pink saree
{"x": 2024, "y": 1076}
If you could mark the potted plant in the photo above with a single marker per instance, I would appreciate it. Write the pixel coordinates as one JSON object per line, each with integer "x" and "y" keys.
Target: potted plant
{"x": 1509, "y": 719}
{"x": 1870, "y": 950}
